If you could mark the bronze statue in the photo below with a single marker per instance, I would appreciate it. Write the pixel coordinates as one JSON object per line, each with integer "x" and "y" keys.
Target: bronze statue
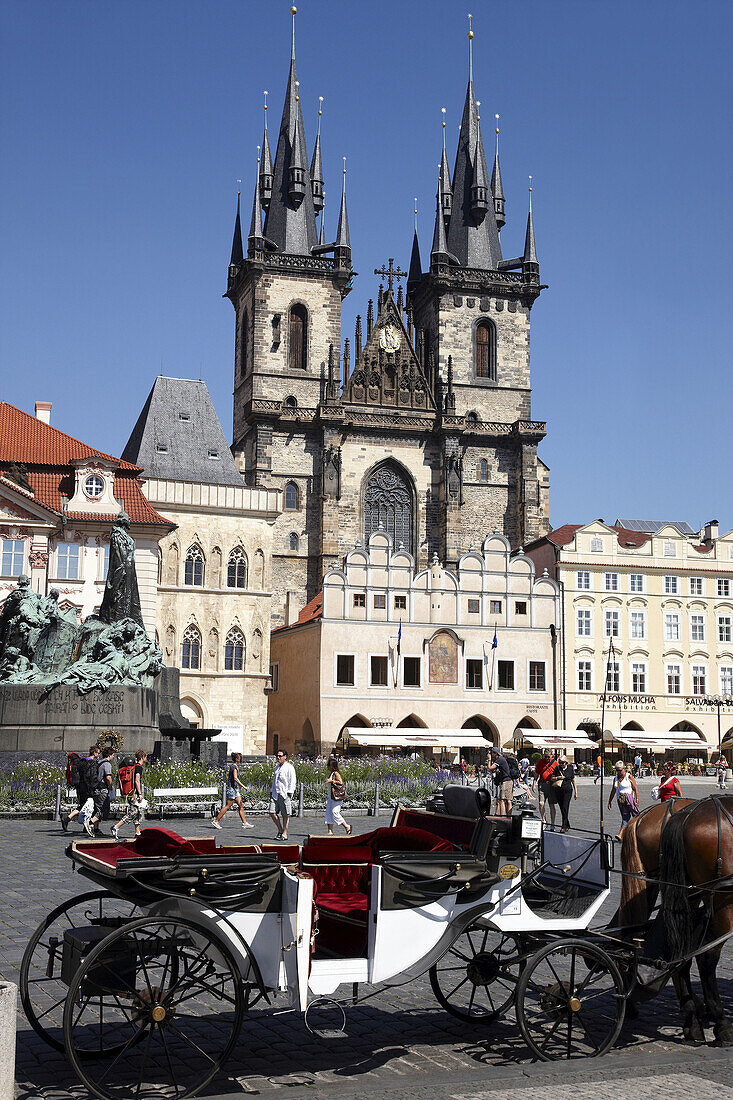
{"x": 121, "y": 598}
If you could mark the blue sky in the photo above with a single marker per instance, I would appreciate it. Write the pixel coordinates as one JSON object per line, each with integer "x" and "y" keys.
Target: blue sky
{"x": 125, "y": 126}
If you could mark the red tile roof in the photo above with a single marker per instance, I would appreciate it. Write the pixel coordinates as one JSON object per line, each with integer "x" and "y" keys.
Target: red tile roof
{"x": 47, "y": 455}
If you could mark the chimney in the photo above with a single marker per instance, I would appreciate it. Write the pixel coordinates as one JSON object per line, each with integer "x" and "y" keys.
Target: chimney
{"x": 710, "y": 531}
{"x": 43, "y": 411}
{"x": 293, "y": 606}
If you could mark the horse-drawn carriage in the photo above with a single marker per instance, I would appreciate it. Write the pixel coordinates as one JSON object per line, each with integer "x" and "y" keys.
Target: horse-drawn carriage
{"x": 145, "y": 981}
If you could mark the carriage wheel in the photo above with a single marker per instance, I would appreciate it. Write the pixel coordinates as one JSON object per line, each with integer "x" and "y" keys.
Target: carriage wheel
{"x": 477, "y": 977}
{"x": 163, "y": 1000}
{"x": 42, "y": 990}
{"x": 570, "y": 1001}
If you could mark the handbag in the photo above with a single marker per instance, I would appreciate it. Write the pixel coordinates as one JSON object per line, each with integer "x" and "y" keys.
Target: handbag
{"x": 338, "y": 792}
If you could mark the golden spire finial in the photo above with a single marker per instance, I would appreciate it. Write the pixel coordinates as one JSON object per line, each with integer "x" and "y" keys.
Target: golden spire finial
{"x": 297, "y": 90}
{"x": 265, "y": 106}
{"x": 239, "y": 184}
{"x": 258, "y": 155}
{"x": 443, "y": 111}
{"x": 478, "y": 108}
{"x": 293, "y": 12}
{"x": 343, "y": 185}
{"x": 416, "y": 213}
{"x": 497, "y": 124}
{"x": 320, "y": 112}
{"x": 530, "y": 194}
{"x": 470, "y": 47}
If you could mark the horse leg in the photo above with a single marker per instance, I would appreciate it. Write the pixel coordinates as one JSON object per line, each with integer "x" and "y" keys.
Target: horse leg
{"x": 707, "y": 965}
{"x": 691, "y": 1027}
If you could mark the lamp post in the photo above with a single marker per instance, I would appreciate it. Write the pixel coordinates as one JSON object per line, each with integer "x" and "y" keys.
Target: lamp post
{"x": 718, "y": 701}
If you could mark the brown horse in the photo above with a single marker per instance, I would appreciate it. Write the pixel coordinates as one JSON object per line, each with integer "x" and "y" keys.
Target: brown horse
{"x": 684, "y": 842}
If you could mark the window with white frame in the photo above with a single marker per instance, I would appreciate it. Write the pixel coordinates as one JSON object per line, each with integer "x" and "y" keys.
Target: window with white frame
{"x": 726, "y": 679}
{"x": 699, "y": 680}
{"x": 636, "y": 582}
{"x": 613, "y": 676}
{"x": 584, "y": 622}
{"x": 13, "y": 556}
{"x": 345, "y": 669}
{"x": 474, "y": 672}
{"x": 93, "y": 486}
{"x": 697, "y": 628}
{"x": 671, "y": 627}
{"x": 638, "y": 624}
{"x": 674, "y": 679}
{"x": 474, "y": 607}
{"x": 360, "y": 599}
{"x": 583, "y": 578}
{"x": 723, "y": 586}
{"x": 67, "y": 561}
{"x": 585, "y": 676}
{"x": 378, "y": 671}
{"x": 495, "y": 607}
{"x": 638, "y": 678}
{"x": 610, "y": 582}
{"x": 400, "y": 603}
{"x": 411, "y": 672}
{"x": 696, "y": 586}
{"x": 725, "y": 628}
{"x": 537, "y": 676}
{"x": 380, "y": 601}
{"x": 611, "y": 624}
{"x": 596, "y": 545}
{"x": 671, "y": 585}
{"x": 505, "y": 675}
{"x": 670, "y": 550}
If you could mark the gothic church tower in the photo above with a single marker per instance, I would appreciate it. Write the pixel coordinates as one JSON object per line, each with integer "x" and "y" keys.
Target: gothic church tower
{"x": 422, "y": 427}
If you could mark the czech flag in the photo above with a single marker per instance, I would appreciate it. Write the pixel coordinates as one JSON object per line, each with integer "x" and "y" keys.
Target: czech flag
{"x": 399, "y": 638}
{"x": 495, "y": 643}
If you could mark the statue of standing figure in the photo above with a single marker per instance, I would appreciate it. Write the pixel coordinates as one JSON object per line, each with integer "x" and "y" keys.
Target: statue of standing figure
{"x": 121, "y": 598}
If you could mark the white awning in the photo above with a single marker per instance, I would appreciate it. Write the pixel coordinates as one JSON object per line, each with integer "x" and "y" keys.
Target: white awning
{"x": 555, "y": 739}
{"x": 646, "y": 739}
{"x": 410, "y": 737}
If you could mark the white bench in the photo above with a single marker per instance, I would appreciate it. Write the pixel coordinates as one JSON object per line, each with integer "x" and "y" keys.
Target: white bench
{"x": 209, "y": 797}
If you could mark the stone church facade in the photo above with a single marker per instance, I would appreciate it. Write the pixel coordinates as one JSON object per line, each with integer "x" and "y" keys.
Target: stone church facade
{"x": 421, "y": 424}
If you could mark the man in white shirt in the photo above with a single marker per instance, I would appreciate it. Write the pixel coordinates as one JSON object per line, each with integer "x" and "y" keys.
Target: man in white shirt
{"x": 281, "y": 795}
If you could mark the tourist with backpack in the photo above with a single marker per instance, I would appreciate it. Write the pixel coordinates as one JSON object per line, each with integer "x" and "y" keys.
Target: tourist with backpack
{"x": 103, "y": 790}
{"x": 130, "y": 777}
{"x": 547, "y": 780}
{"x": 503, "y": 782}
{"x": 81, "y": 774}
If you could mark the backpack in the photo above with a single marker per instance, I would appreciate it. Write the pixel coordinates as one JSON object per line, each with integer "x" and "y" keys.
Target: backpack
{"x": 74, "y": 769}
{"x": 513, "y": 766}
{"x": 126, "y": 774}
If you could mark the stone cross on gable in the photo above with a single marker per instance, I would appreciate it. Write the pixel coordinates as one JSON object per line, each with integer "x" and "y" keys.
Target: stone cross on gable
{"x": 391, "y": 273}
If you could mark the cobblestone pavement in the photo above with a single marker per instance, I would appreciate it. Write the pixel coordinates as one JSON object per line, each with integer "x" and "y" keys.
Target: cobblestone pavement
{"x": 401, "y": 1042}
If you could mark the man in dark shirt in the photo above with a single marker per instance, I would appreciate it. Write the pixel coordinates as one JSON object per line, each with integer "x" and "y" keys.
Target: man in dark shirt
{"x": 499, "y": 768}
{"x": 103, "y": 792}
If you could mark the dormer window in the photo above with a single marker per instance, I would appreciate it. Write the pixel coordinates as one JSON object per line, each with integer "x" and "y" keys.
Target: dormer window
{"x": 213, "y": 453}
{"x": 161, "y": 448}
{"x": 93, "y": 486}
{"x": 184, "y": 417}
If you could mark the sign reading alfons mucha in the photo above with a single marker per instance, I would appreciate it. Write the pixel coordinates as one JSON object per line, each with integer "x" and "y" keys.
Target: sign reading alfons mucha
{"x": 443, "y": 659}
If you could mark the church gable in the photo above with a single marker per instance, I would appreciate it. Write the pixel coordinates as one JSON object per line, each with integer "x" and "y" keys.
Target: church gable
{"x": 387, "y": 371}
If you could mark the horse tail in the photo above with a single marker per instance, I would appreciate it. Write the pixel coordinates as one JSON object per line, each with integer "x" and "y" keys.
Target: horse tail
{"x": 676, "y": 906}
{"x": 634, "y": 907}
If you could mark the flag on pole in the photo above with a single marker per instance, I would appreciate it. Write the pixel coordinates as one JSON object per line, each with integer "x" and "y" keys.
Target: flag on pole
{"x": 495, "y": 642}
{"x": 494, "y": 647}
{"x": 399, "y": 638}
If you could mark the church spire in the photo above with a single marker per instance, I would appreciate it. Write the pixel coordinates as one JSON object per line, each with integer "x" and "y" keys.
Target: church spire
{"x": 316, "y": 166}
{"x": 415, "y": 271}
{"x": 266, "y": 164}
{"x": 445, "y": 179}
{"x": 256, "y": 241}
{"x": 439, "y": 251}
{"x": 342, "y": 247}
{"x": 473, "y": 236}
{"x": 291, "y": 218}
{"x": 237, "y": 249}
{"x": 496, "y": 189}
{"x": 530, "y": 264}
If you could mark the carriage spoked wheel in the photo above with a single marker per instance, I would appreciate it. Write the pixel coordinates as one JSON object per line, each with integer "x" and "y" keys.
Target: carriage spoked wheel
{"x": 570, "y": 1001}
{"x": 42, "y": 988}
{"x": 476, "y": 979}
{"x": 163, "y": 1000}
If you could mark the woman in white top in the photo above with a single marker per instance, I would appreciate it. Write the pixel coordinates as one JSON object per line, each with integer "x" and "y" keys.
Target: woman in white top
{"x": 336, "y": 793}
{"x": 626, "y": 792}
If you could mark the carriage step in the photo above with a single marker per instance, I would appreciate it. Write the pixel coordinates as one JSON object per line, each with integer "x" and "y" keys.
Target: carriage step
{"x": 325, "y": 1019}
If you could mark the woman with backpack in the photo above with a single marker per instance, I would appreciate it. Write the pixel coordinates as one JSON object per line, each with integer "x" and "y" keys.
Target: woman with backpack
{"x": 336, "y": 794}
{"x": 132, "y": 789}
{"x": 81, "y": 774}
{"x": 547, "y": 779}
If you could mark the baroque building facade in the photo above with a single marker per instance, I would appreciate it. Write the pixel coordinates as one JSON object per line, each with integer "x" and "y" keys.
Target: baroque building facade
{"x": 214, "y": 568}
{"x": 422, "y": 424}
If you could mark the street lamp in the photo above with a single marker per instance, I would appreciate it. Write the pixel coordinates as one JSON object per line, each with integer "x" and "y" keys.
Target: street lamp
{"x": 718, "y": 701}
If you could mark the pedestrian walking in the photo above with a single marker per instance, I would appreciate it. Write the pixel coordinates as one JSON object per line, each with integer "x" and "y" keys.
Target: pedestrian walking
{"x": 524, "y": 767}
{"x": 503, "y": 782}
{"x": 721, "y": 769}
{"x": 135, "y": 803}
{"x": 232, "y": 797}
{"x": 599, "y": 769}
{"x": 545, "y": 777}
{"x": 567, "y": 791}
{"x": 336, "y": 789}
{"x": 637, "y": 765}
{"x": 102, "y": 791}
{"x": 85, "y": 784}
{"x": 626, "y": 793}
{"x": 670, "y": 785}
{"x": 281, "y": 794}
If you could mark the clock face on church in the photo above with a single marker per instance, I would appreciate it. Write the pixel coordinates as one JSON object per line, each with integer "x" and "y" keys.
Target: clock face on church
{"x": 389, "y": 338}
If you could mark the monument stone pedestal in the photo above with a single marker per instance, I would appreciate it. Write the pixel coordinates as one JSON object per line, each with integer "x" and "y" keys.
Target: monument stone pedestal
{"x": 65, "y": 721}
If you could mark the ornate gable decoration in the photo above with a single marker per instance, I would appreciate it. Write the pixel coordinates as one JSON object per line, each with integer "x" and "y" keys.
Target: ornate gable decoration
{"x": 387, "y": 371}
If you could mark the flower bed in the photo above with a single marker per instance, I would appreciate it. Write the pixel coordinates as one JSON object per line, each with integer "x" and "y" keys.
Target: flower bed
{"x": 30, "y": 786}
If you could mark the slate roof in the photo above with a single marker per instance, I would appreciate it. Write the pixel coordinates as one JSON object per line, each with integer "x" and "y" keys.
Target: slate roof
{"x": 47, "y": 455}
{"x": 196, "y": 448}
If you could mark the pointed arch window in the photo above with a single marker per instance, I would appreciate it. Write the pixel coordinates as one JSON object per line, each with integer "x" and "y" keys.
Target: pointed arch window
{"x": 388, "y": 506}
{"x": 293, "y": 541}
{"x": 483, "y": 470}
{"x": 291, "y": 496}
{"x": 234, "y": 651}
{"x": 486, "y": 350}
{"x": 237, "y": 569}
{"x": 191, "y": 649}
{"x": 298, "y": 338}
{"x": 194, "y": 566}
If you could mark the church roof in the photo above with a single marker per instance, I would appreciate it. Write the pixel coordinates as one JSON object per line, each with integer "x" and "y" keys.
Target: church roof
{"x": 46, "y": 456}
{"x": 178, "y": 436}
